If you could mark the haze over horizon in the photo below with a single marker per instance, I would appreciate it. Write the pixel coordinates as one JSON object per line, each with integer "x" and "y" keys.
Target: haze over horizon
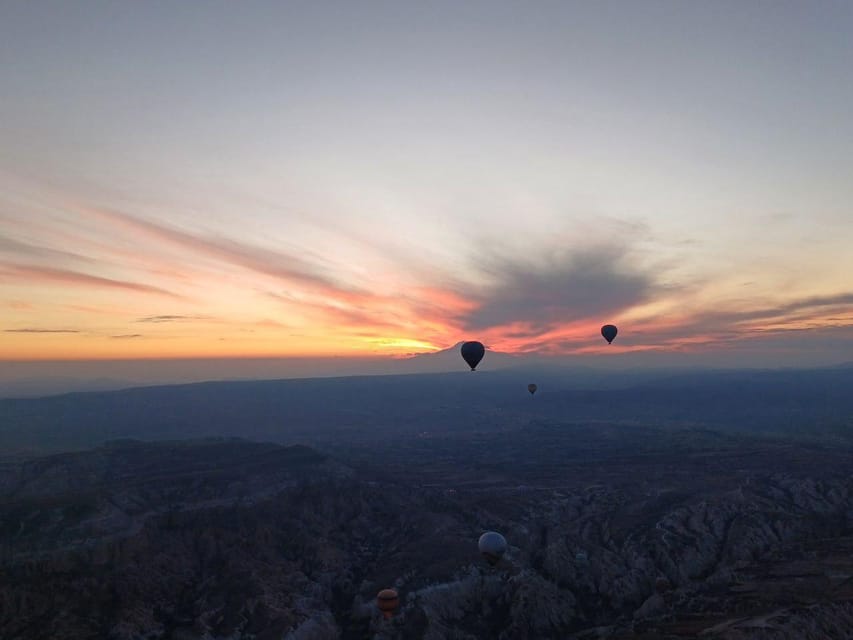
{"x": 270, "y": 180}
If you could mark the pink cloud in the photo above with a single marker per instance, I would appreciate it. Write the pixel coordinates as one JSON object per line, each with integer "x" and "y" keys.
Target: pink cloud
{"x": 63, "y": 276}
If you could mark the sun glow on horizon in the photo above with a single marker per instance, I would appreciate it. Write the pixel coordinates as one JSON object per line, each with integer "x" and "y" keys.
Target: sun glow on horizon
{"x": 521, "y": 180}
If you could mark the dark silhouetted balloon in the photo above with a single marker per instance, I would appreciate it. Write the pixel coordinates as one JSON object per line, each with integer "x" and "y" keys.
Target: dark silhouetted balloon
{"x": 387, "y": 600}
{"x": 609, "y": 332}
{"x": 472, "y": 353}
{"x": 532, "y": 388}
{"x": 492, "y": 545}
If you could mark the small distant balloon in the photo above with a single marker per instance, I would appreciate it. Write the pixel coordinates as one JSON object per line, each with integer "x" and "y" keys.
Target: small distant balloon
{"x": 493, "y": 546}
{"x": 387, "y": 600}
{"x": 472, "y": 353}
{"x": 609, "y": 332}
{"x": 532, "y": 388}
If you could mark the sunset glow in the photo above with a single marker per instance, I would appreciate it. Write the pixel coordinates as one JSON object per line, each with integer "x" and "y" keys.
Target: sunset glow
{"x": 353, "y": 203}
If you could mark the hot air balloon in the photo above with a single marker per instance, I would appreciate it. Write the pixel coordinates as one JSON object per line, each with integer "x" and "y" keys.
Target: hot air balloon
{"x": 609, "y": 332}
{"x": 472, "y": 353}
{"x": 532, "y": 388}
{"x": 387, "y": 600}
{"x": 492, "y": 545}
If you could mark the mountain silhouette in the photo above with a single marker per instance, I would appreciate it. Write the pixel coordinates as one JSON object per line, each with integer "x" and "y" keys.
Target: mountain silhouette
{"x": 450, "y": 359}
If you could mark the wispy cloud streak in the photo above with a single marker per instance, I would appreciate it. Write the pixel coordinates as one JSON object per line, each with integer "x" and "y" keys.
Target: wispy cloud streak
{"x": 276, "y": 264}
{"x": 35, "y": 273}
{"x": 171, "y": 318}
{"x": 28, "y": 330}
{"x": 30, "y": 251}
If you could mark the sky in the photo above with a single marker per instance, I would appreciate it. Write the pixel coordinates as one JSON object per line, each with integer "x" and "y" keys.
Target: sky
{"x": 378, "y": 179}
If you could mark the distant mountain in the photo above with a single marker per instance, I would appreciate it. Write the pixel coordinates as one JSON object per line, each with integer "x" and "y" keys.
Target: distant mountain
{"x": 450, "y": 359}
{"x": 590, "y": 370}
{"x": 48, "y": 385}
{"x": 37, "y": 379}
{"x": 364, "y": 409}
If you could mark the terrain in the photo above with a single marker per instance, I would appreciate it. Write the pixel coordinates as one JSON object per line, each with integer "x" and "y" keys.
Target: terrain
{"x": 717, "y": 505}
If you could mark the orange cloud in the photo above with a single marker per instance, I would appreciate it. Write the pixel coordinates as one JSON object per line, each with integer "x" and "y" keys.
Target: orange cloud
{"x": 276, "y": 264}
{"x": 553, "y": 306}
{"x": 15, "y": 272}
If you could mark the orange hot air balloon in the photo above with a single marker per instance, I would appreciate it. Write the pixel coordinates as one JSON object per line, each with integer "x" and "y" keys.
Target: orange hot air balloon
{"x": 387, "y": 600}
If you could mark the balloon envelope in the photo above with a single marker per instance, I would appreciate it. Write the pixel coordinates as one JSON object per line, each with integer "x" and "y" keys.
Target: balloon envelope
{"x": 532, "y": 388}
{"x": 472, "y": 353}
{"x": 492, "y": 545}
{"x": 609, "y": 332}
{"x": 387, "y": 600}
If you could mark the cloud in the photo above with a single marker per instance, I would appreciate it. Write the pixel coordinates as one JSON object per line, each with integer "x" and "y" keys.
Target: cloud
{"x": 308, "y": 285}
{"x": 11, "y": 246}
{"x": 19, "y": 304}
{"x": 171, "y": 318}
{"x": 704, "y": 326}
{"x": 595, "y": 282}
{"x": 769, "y": 316}
{"x": 277, "y": 264}
{"x": 372, "y": 312}
{"x": 552, "y": 301}
{"x": 270, "y": 323}
{"x": 29, "y": 330}
{"x": 127, "y": 336}
{"x": 64, "y": 276}
{"x": 808, "y": 304}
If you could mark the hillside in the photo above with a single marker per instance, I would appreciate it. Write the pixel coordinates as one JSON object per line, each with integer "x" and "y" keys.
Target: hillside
{"x": 615, "y": 531}
{"x": 363, "y": 409}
